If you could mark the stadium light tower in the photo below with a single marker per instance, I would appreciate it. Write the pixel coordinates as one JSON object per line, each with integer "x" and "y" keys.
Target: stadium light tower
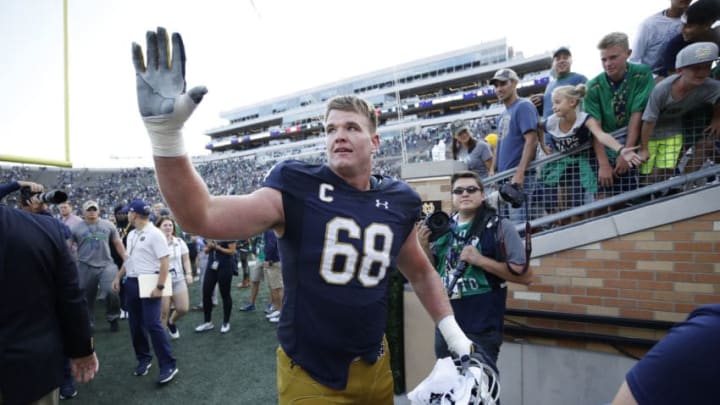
{"x": 398, "y": 107}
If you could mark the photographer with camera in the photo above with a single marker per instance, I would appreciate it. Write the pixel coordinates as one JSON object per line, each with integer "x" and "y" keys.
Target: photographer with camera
{"x": 476, "y": 253}
{"x": 34, "y": 200}
{"x": 8, "y": 188}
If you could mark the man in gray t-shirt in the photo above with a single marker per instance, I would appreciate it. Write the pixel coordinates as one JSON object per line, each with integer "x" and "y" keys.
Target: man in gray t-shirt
{"x": 663, "y": 135}
{"x": 95, "y": 264}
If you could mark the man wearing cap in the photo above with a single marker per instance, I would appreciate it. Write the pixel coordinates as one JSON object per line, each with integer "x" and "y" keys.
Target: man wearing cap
{"x": 688, "y": 89}
{"x": 148, "y": 253}
{"x": 562, "y": 63}
{"x": 517, "y": 133}
{"x": 655, "y": 32}
{"x": 616, "y": 99}
{"x": 95, "y": 263}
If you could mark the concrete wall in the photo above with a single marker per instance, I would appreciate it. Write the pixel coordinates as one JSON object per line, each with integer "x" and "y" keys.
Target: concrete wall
{"x": 530, "y": 374}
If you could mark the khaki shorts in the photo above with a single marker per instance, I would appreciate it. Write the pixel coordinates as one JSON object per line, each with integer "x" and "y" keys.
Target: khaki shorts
{"x": 367, "y": 383}
{"x": 256, "y": 272}
{"x": 273, "y": 275}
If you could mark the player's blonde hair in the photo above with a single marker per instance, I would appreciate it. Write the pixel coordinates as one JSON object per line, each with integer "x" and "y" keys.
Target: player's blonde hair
{"x": 575, "y": 93}
{"x": 354, "y": 104}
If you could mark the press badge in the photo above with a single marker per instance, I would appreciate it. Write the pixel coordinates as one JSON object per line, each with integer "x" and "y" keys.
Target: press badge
{"x": 215, "y": 264}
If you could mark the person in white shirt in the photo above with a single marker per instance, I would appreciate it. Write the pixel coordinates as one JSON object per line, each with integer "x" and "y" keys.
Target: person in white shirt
{"x": 180, "y": 274}
{"x": 148, "y": 253}
{"x": 656, "y": 31}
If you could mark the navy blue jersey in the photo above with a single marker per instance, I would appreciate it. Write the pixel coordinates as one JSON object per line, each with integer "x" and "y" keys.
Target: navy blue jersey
{"x": 338, "y": 247}
{"x": 683, "y": 367}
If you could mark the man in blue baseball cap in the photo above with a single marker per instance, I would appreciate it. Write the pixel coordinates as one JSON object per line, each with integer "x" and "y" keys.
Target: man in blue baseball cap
{"x": 148, "y": 253}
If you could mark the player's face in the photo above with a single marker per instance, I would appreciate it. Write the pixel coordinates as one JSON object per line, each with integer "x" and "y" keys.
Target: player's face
{"x": 562, "y": 105}
{"x": 350, "y": 144}
{"x": 614, "y": 61}
{"x": 471, "y": 196}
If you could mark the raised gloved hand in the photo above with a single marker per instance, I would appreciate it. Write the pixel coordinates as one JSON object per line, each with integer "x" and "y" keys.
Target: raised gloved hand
{"x": 457, "y": 342}
{"x": 163, "y": 102}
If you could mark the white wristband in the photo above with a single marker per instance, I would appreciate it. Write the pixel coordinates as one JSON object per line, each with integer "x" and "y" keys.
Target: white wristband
{"x": 165, "y": 131}
{"x": 455, "y": 338}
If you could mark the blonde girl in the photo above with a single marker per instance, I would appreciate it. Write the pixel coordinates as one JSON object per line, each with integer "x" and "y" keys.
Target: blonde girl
{"x": 181, "y": 274}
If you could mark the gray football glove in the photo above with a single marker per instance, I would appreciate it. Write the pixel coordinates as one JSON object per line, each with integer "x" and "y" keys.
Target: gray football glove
{"x": 162, "y": 100}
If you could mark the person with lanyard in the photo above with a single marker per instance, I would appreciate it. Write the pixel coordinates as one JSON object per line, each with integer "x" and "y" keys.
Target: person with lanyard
{"x": 478, "y": 294}
{"x": 221, "y": 265}
{"x": 95, "y": 263}
{"x": 180, "y": 274}
{"x": 615, "y": 99}
{"x": 148, "y": 253}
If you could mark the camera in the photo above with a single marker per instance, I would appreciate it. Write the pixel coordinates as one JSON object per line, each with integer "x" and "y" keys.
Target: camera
{"x": 50, "y": 197}
{"x": 510, "y": 193}
{"x": 439, "y": 224}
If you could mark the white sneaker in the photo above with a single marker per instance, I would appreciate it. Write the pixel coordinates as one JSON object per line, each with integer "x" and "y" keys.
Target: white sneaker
{"x": 205, "y": 327}
{"x": 273, "y": 314}
{"x": 274, "y": 319}
{"x": 173, "y": 331}
{"x": 225, "y": 328}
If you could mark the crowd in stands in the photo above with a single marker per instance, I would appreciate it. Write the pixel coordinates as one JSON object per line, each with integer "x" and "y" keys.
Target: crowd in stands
{"x": 657, "y": 44}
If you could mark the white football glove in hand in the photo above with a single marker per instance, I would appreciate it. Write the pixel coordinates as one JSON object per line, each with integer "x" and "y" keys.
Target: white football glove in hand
{"x": 163, "y": 102}
{"x": 457, "y": 342}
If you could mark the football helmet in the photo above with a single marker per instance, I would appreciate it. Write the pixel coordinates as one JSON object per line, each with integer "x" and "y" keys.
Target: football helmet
{"x": 472, "y": 380}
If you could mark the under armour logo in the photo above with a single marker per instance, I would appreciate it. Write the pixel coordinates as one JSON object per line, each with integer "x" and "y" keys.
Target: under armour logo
{"x": 379, "y": 204}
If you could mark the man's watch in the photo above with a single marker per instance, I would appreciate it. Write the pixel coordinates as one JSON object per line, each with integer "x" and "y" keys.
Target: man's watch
{"x": 160, "y": 286}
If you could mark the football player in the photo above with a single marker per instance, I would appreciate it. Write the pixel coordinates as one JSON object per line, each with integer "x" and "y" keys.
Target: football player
{"x": 340, "y": 232}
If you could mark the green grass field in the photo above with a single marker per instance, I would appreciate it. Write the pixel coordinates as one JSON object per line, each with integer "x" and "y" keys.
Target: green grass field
{"x": 214, "y": 368}
{"x": 237, "y": 367}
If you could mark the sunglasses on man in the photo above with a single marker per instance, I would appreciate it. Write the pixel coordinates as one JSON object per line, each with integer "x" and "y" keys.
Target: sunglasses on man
{"x": 470, "y": 190}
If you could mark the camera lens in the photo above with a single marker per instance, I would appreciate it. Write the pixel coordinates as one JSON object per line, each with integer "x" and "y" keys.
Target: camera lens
{"x": 439, "y": 224}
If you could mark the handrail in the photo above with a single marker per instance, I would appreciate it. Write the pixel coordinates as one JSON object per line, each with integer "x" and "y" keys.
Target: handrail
{"x": 675, "y": 181}
{"x": 595, "y": 319}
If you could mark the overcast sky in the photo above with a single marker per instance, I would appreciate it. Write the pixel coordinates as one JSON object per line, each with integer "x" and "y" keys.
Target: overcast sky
{"x": 246, "y": 51}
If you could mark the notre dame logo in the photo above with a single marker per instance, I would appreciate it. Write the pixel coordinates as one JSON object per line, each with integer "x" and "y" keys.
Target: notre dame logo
{"x": 428, "y": 207}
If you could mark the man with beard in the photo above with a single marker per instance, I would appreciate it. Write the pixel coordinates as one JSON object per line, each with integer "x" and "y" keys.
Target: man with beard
{"x": 517, "y": 133}
{"x": 123, "y": 228}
